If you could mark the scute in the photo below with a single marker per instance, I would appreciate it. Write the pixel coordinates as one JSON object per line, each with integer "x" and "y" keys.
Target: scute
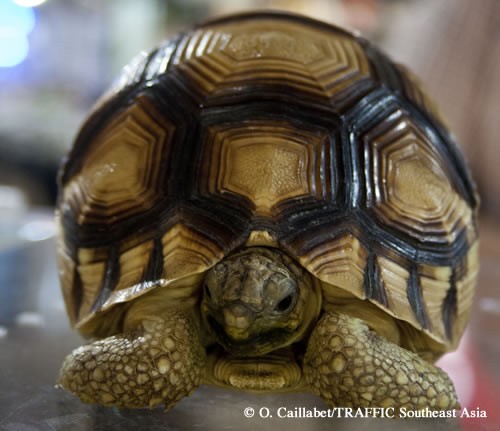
{"x": 121, "y": 173}
{"x": 269, "y": 129}
{"x": 223, "y": 56}
{"x": 415, "y": 294}
{"x": 407, "y": 182}
{"x": 103, "y": 279}
{"x": 265, "y": 162}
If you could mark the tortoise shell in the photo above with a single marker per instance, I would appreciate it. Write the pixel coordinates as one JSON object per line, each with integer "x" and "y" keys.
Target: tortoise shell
{"x": 269, "y": 129}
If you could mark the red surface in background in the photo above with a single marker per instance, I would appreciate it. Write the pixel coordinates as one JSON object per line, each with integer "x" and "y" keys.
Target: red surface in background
{"x": 476, "y": 390}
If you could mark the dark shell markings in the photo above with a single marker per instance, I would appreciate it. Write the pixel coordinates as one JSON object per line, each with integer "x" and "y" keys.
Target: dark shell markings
{"x": 275, "y": 130}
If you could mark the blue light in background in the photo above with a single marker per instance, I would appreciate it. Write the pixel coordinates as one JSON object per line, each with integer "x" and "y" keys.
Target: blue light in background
{"x": 13, "y": 50}
{"x": 29, "y": 3}
{"x": 16, "y": 23}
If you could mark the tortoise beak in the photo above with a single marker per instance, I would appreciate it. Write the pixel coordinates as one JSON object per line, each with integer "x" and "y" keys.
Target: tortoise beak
{"x": 237, "y": 321}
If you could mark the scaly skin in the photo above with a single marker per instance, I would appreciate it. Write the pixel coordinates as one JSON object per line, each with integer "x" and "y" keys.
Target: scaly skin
{"x": 160, "y": 363}
{"x": 160, "y": 356}
{"x": 349, "y": 365}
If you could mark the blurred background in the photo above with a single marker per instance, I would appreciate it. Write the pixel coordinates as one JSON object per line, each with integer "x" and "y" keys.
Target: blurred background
{"x": 58, "y": 56}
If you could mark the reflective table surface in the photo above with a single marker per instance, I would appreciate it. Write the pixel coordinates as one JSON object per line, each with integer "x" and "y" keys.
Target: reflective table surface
{"x": 34, "y": 341}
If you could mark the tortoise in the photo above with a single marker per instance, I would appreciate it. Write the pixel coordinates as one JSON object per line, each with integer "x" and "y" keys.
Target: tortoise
{"x": 266, "y": 203}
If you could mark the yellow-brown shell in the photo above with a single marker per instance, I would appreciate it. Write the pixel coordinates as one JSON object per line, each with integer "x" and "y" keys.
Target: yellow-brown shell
{"x": 270, "y": 129}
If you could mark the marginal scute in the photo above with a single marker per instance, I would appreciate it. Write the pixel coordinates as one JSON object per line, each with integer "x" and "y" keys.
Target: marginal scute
{"x": 465, "y": 292}
{"x": 435, "y": 282}
{"x": 395, "y": 280}
{"x": 66, "y": 266}
{"x": 186, "y": 252}
{"x": 340, "y": 263}
{"x": 92, "y": 278}
{"x": 133, "y": 264}
{"x": 87, "y": 256}
{"x": 261, "y": 238}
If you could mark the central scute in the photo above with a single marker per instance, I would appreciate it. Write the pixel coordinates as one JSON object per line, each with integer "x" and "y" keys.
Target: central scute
{"x": 264, "y": 163}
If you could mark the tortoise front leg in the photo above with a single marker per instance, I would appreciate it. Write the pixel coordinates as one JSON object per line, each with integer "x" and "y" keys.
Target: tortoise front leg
{"x": 160, "y": 363}
{"x": 347, "y": 364}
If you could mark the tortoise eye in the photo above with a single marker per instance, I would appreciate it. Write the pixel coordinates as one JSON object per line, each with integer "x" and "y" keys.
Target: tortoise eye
{"x": 284, "y": 304}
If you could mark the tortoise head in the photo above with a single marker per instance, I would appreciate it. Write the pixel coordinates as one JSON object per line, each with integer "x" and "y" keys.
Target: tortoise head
{"x": 259, "y": 300}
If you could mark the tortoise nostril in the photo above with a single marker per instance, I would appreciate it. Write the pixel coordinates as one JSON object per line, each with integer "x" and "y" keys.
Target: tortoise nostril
{"x": 284, "y": 304}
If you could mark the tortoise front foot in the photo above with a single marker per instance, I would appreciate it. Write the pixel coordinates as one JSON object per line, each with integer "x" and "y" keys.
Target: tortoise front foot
{"x": 160, "y": 363}
{"x": 347, "y": 364}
